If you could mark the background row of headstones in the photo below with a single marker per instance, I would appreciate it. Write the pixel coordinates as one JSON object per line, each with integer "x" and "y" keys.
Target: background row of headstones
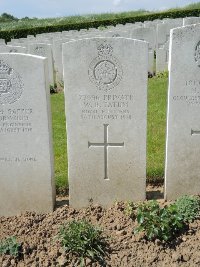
{"x": 106, "y": 112}
{"x": 156, "y": 33}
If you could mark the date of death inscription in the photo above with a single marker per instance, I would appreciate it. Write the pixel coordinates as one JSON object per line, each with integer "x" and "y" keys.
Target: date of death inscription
{"x": 18, "y": 159}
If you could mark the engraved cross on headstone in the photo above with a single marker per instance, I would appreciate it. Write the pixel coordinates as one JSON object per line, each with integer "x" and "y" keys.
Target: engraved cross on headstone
{"x": 195, "y": 132}
{"x": 105, "y": 145}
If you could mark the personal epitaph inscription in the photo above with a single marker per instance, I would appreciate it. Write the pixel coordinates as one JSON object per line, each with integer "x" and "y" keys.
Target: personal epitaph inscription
{"x": 11, "y": 85}
{"x": 105, "y": 70}
{"x": 105, "y": 145}
{"x": 182, "y": 176}
{"x": 106, "y": 119}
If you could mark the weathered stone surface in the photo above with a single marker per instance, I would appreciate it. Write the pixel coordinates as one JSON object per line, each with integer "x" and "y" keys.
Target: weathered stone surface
{"x": 12, "y": 49}
{"x": 148, "y": 35}
{"x": 26, "y": 157}
{"x": 44, "y": 50}
{"x": 57, "y": 55}
{"x": 105, "y": 96}
{"x": 191, "y": 20}
{"x": 182, "y": 174}
{"x": 162, "y": 47}
{"x": 117, "y": 33}
{"x": 2, "y": 41}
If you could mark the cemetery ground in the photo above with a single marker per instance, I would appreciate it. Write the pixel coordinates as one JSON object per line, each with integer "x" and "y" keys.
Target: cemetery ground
{"x": 38, "y": 235}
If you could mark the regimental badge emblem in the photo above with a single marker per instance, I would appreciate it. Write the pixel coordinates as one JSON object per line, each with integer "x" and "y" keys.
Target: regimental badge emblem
{"x": 11, "y": 85}
{"x": 197, "y": 54}
{"x": 105, "y": 71}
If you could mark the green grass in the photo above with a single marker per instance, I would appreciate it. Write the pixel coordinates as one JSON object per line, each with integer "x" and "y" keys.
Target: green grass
{"x": 193, "y": 6}
{"x": 8, "y": 22}
{"x": 157, "y": 94}
{"x": 156, "y": 121}
{"x": 187, "y": 7}
{"x": 34, "y": 22}
{"x": 59, "y": 140}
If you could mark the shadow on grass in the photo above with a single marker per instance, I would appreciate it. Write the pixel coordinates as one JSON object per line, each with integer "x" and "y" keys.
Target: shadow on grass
{"x": 155, "y": 195}
{"x": 61, "y": 202}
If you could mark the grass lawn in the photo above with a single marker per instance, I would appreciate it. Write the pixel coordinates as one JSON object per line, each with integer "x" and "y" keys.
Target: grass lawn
{"x": 59, "y": 139}
{"x": 35, "y": 22}
{"x": 157, "y": 98}
{"x": 156, "y": 127}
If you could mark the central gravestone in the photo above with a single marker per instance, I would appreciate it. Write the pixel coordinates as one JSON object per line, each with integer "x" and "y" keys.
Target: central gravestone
{"x": 105, "y": 94}
{"x": 26, "y": 158}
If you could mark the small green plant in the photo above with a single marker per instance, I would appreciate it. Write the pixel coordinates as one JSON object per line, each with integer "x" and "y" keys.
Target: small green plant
{"x": 188, "y": 207}
{"x": 84, "y": 240}
{"x": 158, "y": 223}
{"x": 130, "y": 209}
{"x": 10, "y": 246}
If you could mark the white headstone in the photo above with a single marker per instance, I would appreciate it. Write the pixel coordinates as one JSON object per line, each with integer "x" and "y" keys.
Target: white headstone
{"x": 148, "y": 35}
{"x": 152, "y": 24}
{"x": 106, "y": 99}
{"x": 162, "y": 49}
{"x": 117, "y": 33}
{"x": 2, "y": 41}
{"x": 30, "y": 37}
{"x": 44, "y": 50}
{"x": 26, "y": 157}
{"x": 13, "y": 49}
{"x": 57, "y": 55}
{"x": 182, "y": 175}
{"x": 191, "y": 20}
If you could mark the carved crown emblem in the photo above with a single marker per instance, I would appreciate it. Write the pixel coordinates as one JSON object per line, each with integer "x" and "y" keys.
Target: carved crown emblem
{"x": 105, "y": 50}
{"x": 4, "y": 68}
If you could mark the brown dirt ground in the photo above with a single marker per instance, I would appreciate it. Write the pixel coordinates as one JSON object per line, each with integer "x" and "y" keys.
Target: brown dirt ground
{"x": 41, "y": 249}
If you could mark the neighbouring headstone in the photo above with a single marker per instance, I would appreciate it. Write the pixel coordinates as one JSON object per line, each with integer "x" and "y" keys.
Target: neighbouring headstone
{"x": 191, "y": 20}
{"x": 57, "y": 55}
{"x": 106, "y": 105}
{"x": 26, "y": 156}
{"x": 2, "y": 42}
{"x": 148, "y": 35}
{"x": 30, "y": 37}
{"x": 182, "y": 175}
{"x": 12, "y": 49}
{"x": 162, "y": 47}
{"x": 117, "y": 33}
{"x": 44, "y": 50}
{"x": 152, "y": 24}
